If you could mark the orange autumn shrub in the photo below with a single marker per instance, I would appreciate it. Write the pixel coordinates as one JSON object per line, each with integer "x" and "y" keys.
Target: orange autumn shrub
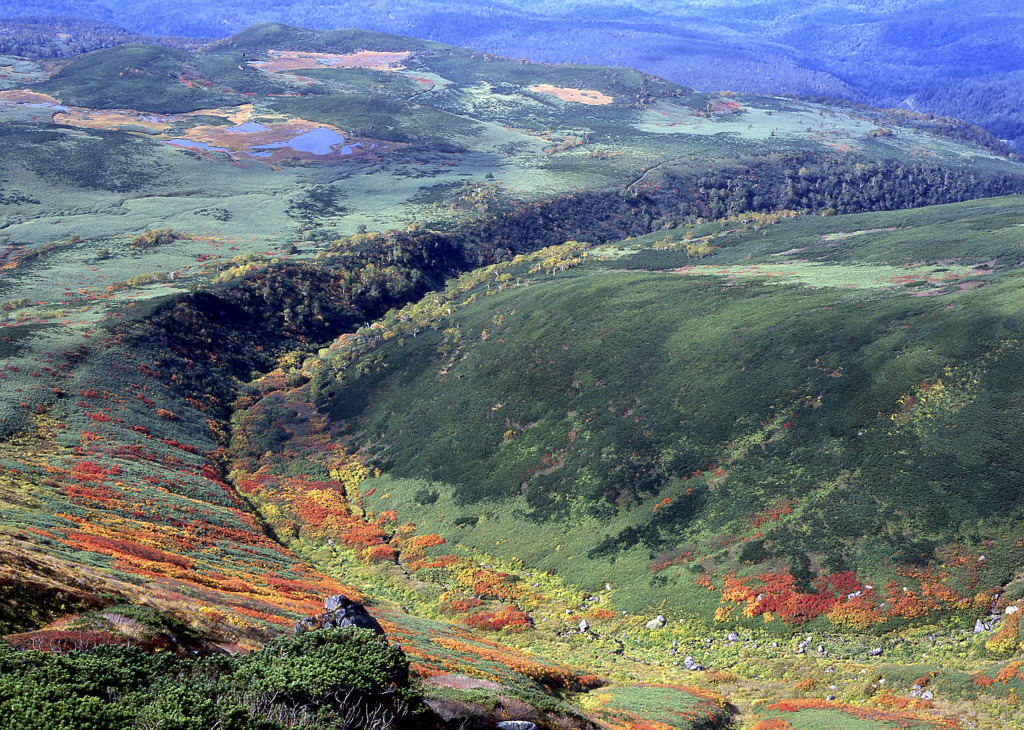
{"x": 381, "y": 553}
{"x": 806, "y": 684}
{"x": 509, "y": 617}
{"x": 983, "y": 680}
{"x": 1010, "y": 671}
{"x": 771, "y": 723}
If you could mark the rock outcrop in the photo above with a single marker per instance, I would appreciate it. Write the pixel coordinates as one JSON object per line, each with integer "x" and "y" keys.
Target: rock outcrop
{"x": 340, "y": 611}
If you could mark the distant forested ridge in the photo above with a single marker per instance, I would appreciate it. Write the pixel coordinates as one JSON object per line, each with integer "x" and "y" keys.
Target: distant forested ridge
{"x": 65, "y": 36}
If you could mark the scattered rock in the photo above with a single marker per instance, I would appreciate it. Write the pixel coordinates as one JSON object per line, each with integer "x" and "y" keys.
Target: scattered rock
{"x": 733, "y": 636}
{"x": 980, "y": 627}
{"x": 517, "y": 725}
{"x": 875, "y": 652}
{"x": 584, "y": 626}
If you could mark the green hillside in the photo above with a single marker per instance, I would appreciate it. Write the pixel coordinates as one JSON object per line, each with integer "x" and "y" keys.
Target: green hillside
{"x": 500, "y": 348}
{"x": 817, "y": 397}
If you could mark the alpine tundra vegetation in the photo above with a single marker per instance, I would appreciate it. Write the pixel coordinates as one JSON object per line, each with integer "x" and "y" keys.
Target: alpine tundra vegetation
{"x": 354, "y": 380}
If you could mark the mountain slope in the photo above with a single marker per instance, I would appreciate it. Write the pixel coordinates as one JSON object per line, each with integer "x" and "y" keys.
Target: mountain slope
{"x": 829, "y": 397}
{"x": 172, "y": 435}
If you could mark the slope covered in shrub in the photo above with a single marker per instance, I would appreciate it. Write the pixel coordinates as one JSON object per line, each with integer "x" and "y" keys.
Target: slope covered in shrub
{"x": 798, "y": 413}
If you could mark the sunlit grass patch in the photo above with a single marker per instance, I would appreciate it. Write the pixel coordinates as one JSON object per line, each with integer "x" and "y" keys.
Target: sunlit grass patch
{"x": 816, "y": 714}
{"x": 650, "y": 706}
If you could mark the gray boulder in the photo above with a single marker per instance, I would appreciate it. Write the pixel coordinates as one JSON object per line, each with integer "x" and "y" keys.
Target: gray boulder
{"x": 342, "y": 611}
{"x": 333, "y": 603}
{"x": 516, "y": 725}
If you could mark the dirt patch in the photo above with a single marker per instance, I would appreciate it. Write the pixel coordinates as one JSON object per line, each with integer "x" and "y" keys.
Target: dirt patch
{"x": 111, "y": 119}
{"x": 460, "y": 681}
{"x": 580, "y": 96}
{"x": 851, "y": 234}
{"x": 88, "y": 118}
{"x": 20, "y": 96}
{"x": 372, "y": 60}
{"x": 235, "y": 114}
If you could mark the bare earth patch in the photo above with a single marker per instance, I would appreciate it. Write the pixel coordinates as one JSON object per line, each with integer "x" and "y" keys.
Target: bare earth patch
{"x": 110, "y": 119}
{"x": 460, "y": 681}
{"x": 580, "y": 96}
{"x": 372, "y": 60}
{"x": 20, "y": 96}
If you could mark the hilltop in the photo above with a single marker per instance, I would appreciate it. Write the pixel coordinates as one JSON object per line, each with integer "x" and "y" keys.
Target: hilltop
{"x": 947, "y": 57}
{"x": 468, "y": 338}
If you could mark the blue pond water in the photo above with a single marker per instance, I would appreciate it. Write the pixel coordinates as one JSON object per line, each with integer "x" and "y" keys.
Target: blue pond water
{"x": 248, "y": 127}
{"x": 319, "y": 141}
{"x": 195, "y": 145}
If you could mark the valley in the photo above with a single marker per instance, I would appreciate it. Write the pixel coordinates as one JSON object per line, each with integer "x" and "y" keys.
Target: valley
{"x": 498, "y": 348}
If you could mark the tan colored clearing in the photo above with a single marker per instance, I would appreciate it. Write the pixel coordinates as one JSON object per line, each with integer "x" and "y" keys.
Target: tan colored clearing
{"x": 235, "y": 114}
{"x": 110, "y": 119}
{"x": 851, "y": 234}
{"x": 580, "y": 96}
{"x": 372, "y": 60}
{"x": 114, "y": 118}
{"x": 20, "y": 96}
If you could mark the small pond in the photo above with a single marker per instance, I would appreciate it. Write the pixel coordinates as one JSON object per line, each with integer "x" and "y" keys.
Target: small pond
{"x": 319, "y": 141}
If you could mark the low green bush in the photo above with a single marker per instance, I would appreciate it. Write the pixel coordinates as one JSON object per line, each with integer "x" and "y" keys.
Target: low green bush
{"x": 332, "y": 679}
